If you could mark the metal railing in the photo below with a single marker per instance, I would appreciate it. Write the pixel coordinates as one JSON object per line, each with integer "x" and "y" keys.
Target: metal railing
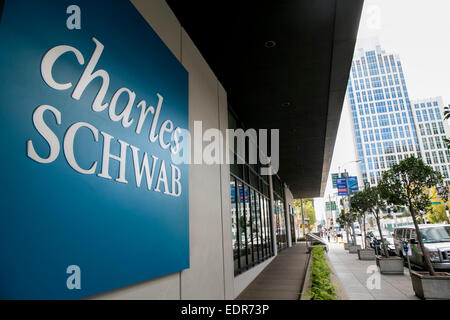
{"x": 310, "y": 237}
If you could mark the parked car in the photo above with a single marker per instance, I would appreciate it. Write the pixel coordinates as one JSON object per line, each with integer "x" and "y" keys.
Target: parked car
{"x": 387, "y": 237}
{"x": 436, "y": 238}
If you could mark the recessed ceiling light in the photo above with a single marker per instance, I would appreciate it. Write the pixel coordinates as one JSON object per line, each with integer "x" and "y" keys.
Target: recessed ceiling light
{"x": 270, "y": 44}
{"x": 286, "y": 104}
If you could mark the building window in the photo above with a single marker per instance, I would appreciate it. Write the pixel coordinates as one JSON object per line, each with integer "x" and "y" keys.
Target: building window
{"x": 431, "y": 141}
{"x": 250, "y": 226}
{"x": 425, "y": 143}
{"x": 419, "y": 117}
{"x": 435, "y": 158}
{"x": 441, "y": 156}
{"x": 438, "y": 142}
{"x": 428, "y": 158}
{"x": 430, "y": 111}
{"x": 427, "y": 125}
{"x": 435, "y": 129}
{"x": 422, "y": 129}
{"x": 445, "y": 171}
{"x": 250, "y": 212}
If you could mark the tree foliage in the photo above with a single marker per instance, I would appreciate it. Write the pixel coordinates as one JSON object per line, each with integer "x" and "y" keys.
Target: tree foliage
{"x": 346, "y": 219}
{"x": 407, "y": 184}
{"x": 308, "y": 210}
{"x": 370, "y": 200}
{"x": 437, "y": 214}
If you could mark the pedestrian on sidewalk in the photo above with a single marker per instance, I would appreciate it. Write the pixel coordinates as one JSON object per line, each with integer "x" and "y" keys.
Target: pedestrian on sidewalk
{"x": 328, "y": 234}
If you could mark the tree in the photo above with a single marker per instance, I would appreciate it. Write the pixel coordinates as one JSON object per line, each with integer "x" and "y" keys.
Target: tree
{"x": 359, "y": 206}
{"x": 308, "y": 210}
{"x": 437, "y": 214}
{"x": 346, "y": 219}
{"x": 406, "y": 184}
{"x": 370, "y": 200}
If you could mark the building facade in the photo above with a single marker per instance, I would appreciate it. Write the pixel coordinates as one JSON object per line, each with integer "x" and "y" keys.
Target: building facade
{"x": 232, "y": 220}
{"x": 432, "y": 131}
{"x": 383, "y": 121}
{"x": 388, "y": 127}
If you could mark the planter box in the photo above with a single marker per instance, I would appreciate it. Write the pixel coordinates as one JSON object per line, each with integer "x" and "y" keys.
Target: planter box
{"x": 354, "y": 249}
{"x": 390, "y": 265}
{"x": 347, "y": 245}
{"x": 431, "y": 287}
{"x": 366, "y": 254}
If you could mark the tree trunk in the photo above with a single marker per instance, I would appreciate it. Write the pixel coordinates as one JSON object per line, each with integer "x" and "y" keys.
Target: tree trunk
{"x": 364, "y": 231}
{"x": 352, "y": 234}
{"x": 420, "y": 240}
{"x": 377, "y": 217}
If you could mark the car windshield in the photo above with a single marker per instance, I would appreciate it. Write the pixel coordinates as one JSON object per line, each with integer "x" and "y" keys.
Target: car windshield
{"x": 385, "y": 234}
{"x": 438, "y": 234}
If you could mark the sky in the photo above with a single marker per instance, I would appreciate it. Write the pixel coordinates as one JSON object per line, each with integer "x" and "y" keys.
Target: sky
{"x": 419, "y": 32}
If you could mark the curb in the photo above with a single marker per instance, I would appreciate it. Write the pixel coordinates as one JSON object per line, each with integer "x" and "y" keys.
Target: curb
{"x": 306, "y": 281}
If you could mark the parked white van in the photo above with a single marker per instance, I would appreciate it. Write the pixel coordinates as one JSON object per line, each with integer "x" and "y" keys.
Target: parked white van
{"x": 436, "y": 239}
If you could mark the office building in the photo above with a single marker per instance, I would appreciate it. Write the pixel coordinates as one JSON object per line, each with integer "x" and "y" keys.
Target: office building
{"x": 96, "y": 205}
{"x": 432, "y": 132}
{"x": 383, "y": 121}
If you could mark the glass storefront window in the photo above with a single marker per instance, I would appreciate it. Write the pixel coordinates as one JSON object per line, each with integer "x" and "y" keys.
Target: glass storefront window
{"x": 249, "y": 231}
{"x": 242, "y": 228}
{"x": 280, "y": 224}
{"x": 256, "y": 225}
{"x": 234, "y": 226}
{"x": 250, "y": 224}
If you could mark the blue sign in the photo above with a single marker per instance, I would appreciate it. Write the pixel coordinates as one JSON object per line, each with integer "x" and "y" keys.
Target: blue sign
{"x": 353, "y": 184}
{"x": 342, "y": 186}
{"x": 90, "y": 121}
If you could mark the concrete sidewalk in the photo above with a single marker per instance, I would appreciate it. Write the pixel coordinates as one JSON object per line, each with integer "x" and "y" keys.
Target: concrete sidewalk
{"x": 355, "y": 275}
{"x": 282, "y": 279}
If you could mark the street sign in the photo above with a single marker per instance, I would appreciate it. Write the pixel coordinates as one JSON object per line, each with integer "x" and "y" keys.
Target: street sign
{"x": 334, "y": 177}
{"x": 331, "y": 205}
{"x": 342, "y": 186}
{"x": 353, "y": 184}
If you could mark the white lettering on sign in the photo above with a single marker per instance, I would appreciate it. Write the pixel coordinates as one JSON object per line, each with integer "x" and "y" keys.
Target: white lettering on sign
{"x": 46, "y": 133}
{"x": 168, "y": 136}
{"x": 74, "y": 280}
{"x": 74, "y": 20}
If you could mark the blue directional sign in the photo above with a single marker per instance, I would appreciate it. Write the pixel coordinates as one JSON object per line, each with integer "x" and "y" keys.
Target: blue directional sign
{"x": 353, "y": 184}
{"x": 342, "y": 186}
{"x": 91, "y": 112}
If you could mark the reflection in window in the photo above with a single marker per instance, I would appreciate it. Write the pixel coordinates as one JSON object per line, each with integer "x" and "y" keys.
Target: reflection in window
{"x": 250, "y": 224}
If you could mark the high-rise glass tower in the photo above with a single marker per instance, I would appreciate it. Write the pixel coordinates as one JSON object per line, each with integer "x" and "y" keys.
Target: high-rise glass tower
{"x": 432, "y": 132}
{"x": 381, "y": 110}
